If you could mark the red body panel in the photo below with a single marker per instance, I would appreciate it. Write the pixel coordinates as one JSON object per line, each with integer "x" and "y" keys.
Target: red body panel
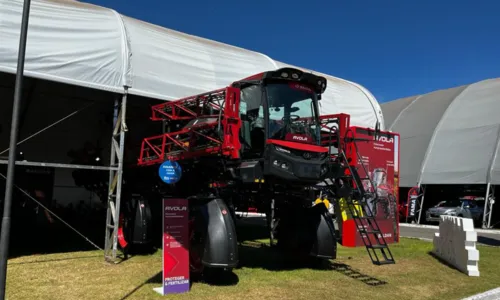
{"x": 298, "y": 146}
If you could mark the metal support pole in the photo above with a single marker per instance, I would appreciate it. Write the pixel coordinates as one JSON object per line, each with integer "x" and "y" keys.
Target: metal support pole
{"x": 492, "y": 202}
{"x": 110, "y": 208}
{"x": 487, "y": 210}
{"x": 421, "y": 205}
{"x": 5, "y": 238}
{"x": 115, "y": 181}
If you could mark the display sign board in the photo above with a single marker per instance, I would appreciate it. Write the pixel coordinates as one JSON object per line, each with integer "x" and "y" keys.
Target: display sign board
{"x": 170, "y": 172}
{"x": 175, "y": 247}
{"x": 378, "y": 165}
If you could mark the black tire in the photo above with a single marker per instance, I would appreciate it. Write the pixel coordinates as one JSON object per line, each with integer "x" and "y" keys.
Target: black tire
{"x": 197, "y": 243}
{"x": 197, "y": 238}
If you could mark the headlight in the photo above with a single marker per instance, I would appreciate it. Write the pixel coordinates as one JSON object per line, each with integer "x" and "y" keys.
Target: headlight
{"x": 280, "y": 164}
{"x": 324, "y": 169}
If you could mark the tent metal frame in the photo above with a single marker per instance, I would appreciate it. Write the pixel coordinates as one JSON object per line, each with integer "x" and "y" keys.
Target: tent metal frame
{"x": 115, "y": 179}
{"x": 489, "y": 201}
{"x": 421, "y": 203}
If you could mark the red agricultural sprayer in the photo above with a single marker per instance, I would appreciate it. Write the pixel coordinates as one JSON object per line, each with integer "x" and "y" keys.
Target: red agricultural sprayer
{"x": 262, "y": 143}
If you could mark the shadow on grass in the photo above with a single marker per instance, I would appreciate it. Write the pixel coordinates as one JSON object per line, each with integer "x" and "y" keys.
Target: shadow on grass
{"x": 55, "y": 238}
{"x": 155, "y": 279}
{"x": 348, "y": 271}
{"x": 488, "y": 241}
{"x": 54, "y": 260}
{"x": 442, "y": 261}
{"x": 254, "y": 254}
{"x": 259, "y": 255}
{"x": 213, "y": 277}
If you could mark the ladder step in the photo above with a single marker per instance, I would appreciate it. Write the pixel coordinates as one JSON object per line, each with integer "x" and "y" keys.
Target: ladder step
{"x": 364, "y": 230}
{"x": 386, "y": 262}
{"x": 110, "y": 226}
{"x": 377, "y": 246}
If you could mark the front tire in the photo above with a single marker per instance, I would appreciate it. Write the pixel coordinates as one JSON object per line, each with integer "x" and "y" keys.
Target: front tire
{"x": 213, "y": 246}
{"x": 197, "y": 241}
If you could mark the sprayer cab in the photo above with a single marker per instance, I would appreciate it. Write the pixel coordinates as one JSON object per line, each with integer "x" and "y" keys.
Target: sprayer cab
{"x": 280, "y": 123}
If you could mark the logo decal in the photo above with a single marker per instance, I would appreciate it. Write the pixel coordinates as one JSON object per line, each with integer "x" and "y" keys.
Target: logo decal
{"x": 175, "y": 208}
{"x": 385, "y": 139}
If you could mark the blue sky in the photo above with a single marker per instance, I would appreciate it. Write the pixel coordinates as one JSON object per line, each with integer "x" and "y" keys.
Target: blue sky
{"x": 395, "y": 48}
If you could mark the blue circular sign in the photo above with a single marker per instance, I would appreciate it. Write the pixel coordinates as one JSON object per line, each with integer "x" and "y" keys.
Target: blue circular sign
{"x": 170, "y": 172}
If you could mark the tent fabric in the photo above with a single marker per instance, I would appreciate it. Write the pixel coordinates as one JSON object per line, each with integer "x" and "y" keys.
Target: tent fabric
{"x": 68, "y": 42}
{"x": 87, "y": 45}
{"x": 391, "y": 112}
{"x": 449, "y": 136}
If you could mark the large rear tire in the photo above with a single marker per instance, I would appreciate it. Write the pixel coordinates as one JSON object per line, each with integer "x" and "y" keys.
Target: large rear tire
{"x": 307, "y": 232}
{"x": 197, "y": 241}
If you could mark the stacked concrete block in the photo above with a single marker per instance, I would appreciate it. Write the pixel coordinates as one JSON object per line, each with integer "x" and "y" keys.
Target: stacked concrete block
{"x": 455, "y": 243}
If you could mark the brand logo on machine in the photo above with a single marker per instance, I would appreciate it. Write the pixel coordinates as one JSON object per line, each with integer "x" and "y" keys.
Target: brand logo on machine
{"x": 300, "y": 138}
{"x": 175, "y": 208}
{"x": 301, "y": 87}
{"x": 307, "y": 155}
{"x": 385, "y": 139}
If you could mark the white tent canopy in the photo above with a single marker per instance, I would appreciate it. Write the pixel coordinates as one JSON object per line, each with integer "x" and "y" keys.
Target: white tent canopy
{"x": 449, "y": 136}
{"x": 87, "y": 45}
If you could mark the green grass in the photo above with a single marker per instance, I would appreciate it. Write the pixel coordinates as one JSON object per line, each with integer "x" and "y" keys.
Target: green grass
{"x": 416, "y": 275}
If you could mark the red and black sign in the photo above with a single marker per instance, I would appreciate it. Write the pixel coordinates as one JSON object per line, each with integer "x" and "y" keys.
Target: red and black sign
{"x": 413, "y": 203}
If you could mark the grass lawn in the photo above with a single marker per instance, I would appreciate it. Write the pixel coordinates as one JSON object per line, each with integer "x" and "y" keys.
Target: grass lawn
{"x": 416, "y": 275}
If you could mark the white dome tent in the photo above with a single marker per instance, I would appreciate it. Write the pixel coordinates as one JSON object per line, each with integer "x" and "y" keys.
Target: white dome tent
{"x": 450, "y": 137}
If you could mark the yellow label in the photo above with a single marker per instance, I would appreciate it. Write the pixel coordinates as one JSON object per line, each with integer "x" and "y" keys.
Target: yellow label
{"x": 346, "y": 213}
{"x": 326, "y": 202}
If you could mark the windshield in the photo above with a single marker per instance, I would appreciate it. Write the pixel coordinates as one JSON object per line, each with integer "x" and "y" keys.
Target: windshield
{"x": 288, "y": 103}
{"x": 450, "y": 203}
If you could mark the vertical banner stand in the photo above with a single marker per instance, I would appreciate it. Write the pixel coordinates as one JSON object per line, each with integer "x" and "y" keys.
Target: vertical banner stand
{"x": 413, "y": 204}
{"x": 175, "y": 236}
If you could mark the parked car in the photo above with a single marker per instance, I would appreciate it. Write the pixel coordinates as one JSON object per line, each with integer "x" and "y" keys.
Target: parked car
{"x": 466, "y": 207}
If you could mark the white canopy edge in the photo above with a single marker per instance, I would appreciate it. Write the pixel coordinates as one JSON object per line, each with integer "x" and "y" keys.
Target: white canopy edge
{"x": 96, "y": 47}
